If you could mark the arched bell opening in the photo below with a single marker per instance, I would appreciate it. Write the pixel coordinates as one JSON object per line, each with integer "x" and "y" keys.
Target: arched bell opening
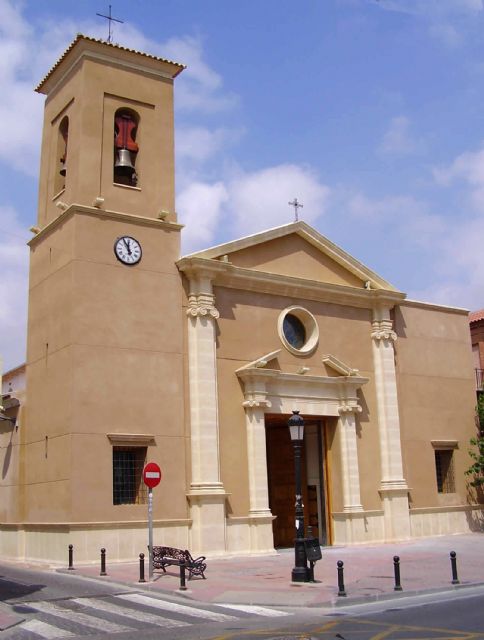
{"x": 61, "y": 155}
{"x": 126, "y": 148}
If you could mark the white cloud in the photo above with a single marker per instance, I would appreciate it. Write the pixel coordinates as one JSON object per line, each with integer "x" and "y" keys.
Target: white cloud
{"x": 447, "y": 20}
{"x": 248, "y": 203}
{"x": 433, "y": 8}
{"x": 460, "y": 266}
{"x": 199, "y": 144}
{"x": 446, "y": 33}
{"x": 200, "y": 207}
{"x": 199, "y": 87}
{"x": 468, "y": 168}
{"x": 259, "y": 200}
{"x": 14, "y": 257}
{"x": 403, "y": 218}
{"x": 398, "y": 139}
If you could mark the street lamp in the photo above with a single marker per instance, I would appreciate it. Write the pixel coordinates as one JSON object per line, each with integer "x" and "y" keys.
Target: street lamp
{"x": 300, "y": 570}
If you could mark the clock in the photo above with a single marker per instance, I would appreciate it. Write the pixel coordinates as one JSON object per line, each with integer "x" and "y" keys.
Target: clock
{"x": 127, "y": 250}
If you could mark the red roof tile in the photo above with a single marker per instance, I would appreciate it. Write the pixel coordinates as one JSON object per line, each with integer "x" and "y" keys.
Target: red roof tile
{"x": 475, "y": 316}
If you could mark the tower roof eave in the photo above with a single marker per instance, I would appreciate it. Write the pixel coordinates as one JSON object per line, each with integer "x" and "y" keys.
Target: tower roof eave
{"x": 45, "y": 84}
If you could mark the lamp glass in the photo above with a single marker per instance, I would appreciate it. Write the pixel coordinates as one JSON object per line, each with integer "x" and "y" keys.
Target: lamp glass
{"x": 297, "y": 430}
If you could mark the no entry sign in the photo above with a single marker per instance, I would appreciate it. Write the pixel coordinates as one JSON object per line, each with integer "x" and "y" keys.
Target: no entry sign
{"x": 152, "y": 475}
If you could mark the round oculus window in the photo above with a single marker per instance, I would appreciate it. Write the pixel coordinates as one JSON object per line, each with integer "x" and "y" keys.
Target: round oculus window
{"x": 298, "y": 330}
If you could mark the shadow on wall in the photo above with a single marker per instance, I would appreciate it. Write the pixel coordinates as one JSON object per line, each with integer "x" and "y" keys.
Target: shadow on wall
{"x": 6, "y": 459}
{"x": 475, "y": 520}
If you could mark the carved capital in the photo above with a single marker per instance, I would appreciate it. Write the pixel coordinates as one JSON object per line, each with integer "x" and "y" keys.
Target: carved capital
{"x": 202, "y": 304}
{"x": 256, "y": 403}
{"x": 349, "y": 407}
{"x": 383, "y": 330}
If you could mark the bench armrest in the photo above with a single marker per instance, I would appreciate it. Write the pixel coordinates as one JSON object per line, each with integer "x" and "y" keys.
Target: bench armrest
{"x": 199, "y": 559}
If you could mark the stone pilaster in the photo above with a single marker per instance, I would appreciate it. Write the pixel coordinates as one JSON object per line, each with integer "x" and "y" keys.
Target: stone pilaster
{"x": 207, "y": 495}
{"x": 393, "y": 487}
{"x": 255, "y": 404}
{"x": 350, "y": 470}
{"x": 349, "y": 458}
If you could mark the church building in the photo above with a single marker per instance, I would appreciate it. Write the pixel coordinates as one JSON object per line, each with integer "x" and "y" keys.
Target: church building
{"x": 136, "y": 354}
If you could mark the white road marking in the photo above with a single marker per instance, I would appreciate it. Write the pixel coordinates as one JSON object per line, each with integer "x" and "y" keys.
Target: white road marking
{"x": 176, "y": 608}
{"x": 140, "y": 616}
{"x": 80, "y": 618}
{"x": 259, "y": 611}
{"x": 44, "y": 630}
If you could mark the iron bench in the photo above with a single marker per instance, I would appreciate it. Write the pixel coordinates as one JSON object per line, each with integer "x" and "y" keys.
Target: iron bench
{"x": 165, "y": 556}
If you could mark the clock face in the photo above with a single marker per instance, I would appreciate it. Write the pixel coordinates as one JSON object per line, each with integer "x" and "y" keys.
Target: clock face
{"x": 127, "y": 250}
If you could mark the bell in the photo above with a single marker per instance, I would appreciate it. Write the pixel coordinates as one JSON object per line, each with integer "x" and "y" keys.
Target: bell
{"x": 123, "y": 165}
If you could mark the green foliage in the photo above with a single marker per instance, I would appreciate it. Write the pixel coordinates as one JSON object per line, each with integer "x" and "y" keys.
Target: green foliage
{"x": 480, "y": 411}
{"x": 476, "y": 470}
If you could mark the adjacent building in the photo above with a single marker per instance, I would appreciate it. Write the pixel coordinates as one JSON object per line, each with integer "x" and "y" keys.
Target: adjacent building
{"x": 476, "y": 322}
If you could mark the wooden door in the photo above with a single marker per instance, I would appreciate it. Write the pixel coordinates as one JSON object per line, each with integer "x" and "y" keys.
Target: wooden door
{"x": 282, "y": 486}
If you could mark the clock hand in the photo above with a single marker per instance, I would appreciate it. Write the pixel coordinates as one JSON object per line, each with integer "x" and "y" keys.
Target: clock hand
{"x": 126, "y": 242}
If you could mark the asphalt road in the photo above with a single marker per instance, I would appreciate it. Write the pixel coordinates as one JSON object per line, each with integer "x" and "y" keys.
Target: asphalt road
{"x": 64, "y": 606}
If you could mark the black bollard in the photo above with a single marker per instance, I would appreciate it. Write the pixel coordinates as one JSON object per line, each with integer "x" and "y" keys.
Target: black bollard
{"x": 396, "y": 568}
{"x": 103, "y": 562}
{"x": 141, "y": 567}
{"x": 71, "y": 557}
{"x": 311, "y": 571}
{"x": 182, "y": 576}
{"x": 453, "y": 564}
{"x": 341, "y": 582}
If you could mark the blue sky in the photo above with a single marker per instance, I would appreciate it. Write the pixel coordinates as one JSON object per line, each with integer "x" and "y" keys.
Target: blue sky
{"x": 370, "y": 112}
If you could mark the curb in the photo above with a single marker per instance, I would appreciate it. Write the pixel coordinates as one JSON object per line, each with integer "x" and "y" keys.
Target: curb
{"x": 333, "y": 601}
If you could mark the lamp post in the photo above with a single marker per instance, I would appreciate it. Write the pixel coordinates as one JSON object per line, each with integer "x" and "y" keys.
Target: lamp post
{"x": 296, "y": 430}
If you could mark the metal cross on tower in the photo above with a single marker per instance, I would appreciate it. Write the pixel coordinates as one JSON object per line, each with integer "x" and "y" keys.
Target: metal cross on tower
{"x": 297, "y": 205}
{"x": 110, "y": 19}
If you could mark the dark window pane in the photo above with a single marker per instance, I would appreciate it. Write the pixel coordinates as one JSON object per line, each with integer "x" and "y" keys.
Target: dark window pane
{"x": 444, "y": 469}
{"x": 294, "y": 331}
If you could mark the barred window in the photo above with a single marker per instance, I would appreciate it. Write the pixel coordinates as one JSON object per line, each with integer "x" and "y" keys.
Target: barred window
{"x": 444, "y": 469}
{"x": 128, "y": 485}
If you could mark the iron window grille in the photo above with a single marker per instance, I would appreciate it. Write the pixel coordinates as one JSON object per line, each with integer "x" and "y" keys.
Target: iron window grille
{"x": 128, "y": 485}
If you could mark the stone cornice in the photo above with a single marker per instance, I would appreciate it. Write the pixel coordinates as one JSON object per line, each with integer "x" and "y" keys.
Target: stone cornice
{"x": 102, "y": 214}
{"x": 263, "y": 387}
{"x": 269, "y": 375}
{"x": 225, "y": 274}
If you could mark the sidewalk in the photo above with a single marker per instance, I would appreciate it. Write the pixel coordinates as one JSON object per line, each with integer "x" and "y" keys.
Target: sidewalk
{"x": 368, "y": 573}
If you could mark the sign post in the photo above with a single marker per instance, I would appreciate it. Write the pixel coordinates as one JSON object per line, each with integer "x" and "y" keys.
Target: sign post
{"x": 151, "y": 477}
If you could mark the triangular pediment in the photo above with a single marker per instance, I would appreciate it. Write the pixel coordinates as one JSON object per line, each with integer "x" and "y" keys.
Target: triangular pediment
{"x": 297, "y": 250}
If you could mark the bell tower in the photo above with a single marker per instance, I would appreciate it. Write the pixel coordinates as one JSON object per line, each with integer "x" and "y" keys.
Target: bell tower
{"x": 108, "y": 132}
{"x": 105, "y": 352}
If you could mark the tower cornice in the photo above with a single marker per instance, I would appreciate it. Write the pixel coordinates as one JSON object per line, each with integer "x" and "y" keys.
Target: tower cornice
{"x": 102, "y": 214}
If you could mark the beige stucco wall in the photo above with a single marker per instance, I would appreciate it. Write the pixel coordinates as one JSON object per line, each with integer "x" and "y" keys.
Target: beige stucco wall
{"x": 247, "y": 330}
{"x": 292, "y": 255}
{"x": 10, "y": 464}
{"x": 436, "y": 392}
{"x": 114, "y": 364}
